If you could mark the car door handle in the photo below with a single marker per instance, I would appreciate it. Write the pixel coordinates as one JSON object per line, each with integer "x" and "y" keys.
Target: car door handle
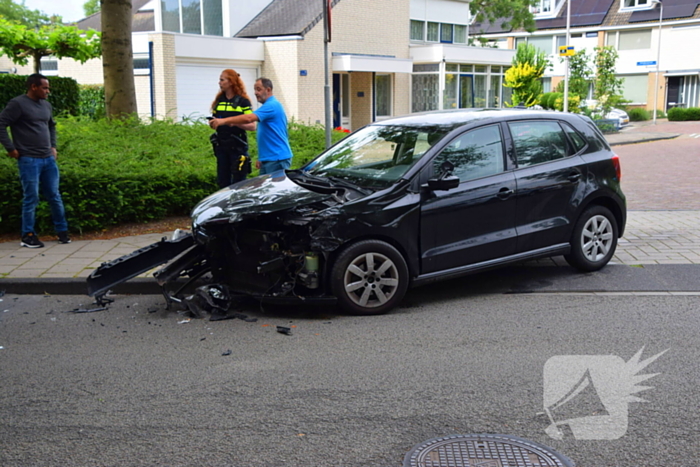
{"x": 504, "y": 193}
{"x": 574, "y": 177}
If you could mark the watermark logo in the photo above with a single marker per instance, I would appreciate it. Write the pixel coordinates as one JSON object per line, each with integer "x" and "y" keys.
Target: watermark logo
{"x": 587, "y": 396}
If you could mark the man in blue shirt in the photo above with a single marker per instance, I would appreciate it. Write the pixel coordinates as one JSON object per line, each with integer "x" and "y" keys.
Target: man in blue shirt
{"x": 274, "y": 152}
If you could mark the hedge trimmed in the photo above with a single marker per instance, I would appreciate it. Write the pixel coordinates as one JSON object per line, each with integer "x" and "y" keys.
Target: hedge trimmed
{"x": 114, "y": 172}
{"x": 64, "y": 96}
{"x": 678, "y": 114}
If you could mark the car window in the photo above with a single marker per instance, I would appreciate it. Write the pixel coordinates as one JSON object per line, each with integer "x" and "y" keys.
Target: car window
{"x": 538, "y": 141}
{"x": 576, "y": 139}
{"x": 475, "y": 154}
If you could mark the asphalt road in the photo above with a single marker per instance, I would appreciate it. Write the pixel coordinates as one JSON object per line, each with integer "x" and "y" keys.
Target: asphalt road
{"x": 134, "y": 385}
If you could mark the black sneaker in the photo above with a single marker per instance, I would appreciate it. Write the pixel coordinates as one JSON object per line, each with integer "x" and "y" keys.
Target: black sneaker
{"x": 63, "y": 237}
{"x": 30, "y": 240}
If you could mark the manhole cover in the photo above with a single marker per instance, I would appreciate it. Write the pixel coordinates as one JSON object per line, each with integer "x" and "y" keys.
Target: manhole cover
{"x": 483, "y": 451}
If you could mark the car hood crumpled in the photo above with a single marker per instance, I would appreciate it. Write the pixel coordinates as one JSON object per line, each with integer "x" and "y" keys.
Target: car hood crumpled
{"x": 252, "y": 197}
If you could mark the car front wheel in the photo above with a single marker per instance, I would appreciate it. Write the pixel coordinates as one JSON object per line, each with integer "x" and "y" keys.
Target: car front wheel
{"x": 594, "y": 240}
{"x": 369, "y": 277}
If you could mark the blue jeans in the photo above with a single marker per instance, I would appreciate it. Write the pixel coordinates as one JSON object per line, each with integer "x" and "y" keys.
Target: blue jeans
{"x": 267, "y": 167}
{"x": 35, "y": 173}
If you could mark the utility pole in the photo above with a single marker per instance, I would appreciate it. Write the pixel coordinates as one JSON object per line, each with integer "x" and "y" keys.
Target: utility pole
{"x": 327, "y": 87}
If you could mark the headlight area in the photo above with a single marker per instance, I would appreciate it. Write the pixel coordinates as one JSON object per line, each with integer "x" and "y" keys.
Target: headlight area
{"x": 269, "y": 263}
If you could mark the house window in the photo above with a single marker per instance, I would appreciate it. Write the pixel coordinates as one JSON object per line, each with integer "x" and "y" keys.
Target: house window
{"x": 460, "y": 36}
{"x": 636, "y": 3}
{"x": 417, "y": 30}
{"x": 631, "y": 40}
{"x": 382, "y": 95}
{"x": 634, "y": 88}
{"x": 433, "y": 32}
{"x": 192, "y": 16}
{"x": 542, "y": 7}
{"x": 446, "y": 33}
{"x": 49, "y": 66}
{"x": 543, "y": 43}
{"x": 425, "y": 91}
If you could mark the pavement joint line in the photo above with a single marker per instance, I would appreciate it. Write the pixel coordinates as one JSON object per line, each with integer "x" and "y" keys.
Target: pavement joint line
{"x": 623, "y": 294}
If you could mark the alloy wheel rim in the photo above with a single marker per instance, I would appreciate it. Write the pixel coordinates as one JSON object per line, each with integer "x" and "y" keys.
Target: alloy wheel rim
{"x": 371, "y": 280}
{"x": 597, "y": 238}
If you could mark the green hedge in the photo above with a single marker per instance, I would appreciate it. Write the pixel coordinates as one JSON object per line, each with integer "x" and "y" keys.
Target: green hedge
{"x": 114, "y": 172}
{"x": 638, "y": 115}
{"x": 678, "y": 114}
{"x": 64, "y": 97}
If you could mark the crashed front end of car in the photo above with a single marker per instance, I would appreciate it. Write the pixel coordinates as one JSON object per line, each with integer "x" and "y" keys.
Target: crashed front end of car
{"x": 264, "y": 237}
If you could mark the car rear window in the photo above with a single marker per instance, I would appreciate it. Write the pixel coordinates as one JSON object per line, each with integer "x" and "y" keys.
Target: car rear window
{"x": 576, "y": 140}
{"x": 538, "y": 141}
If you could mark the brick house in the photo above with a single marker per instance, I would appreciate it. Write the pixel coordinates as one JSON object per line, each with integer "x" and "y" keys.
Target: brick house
{"x": 642, "y": 37}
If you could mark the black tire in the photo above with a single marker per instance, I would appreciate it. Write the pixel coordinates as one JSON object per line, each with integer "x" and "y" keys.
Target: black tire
{"x": 594, "y": 239}
{"x": 369, "y": 277}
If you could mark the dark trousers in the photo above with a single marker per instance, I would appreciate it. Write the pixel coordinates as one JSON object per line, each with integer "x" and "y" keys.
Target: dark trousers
{"x": 230, "y": 168}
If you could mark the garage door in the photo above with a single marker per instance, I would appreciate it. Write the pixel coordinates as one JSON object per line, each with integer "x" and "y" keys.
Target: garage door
{"x": 197, "y": 86}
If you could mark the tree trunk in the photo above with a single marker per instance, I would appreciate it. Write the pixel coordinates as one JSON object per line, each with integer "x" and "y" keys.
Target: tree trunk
{"x": 117, "y": 58}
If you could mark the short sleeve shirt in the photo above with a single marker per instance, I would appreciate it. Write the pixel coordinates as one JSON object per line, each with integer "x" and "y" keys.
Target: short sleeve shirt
{"x": 273, "y": 140}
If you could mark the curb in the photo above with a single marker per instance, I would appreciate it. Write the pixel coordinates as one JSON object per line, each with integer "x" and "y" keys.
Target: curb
{"x": 75, "y": 286}
{"x": 643, "y": 140}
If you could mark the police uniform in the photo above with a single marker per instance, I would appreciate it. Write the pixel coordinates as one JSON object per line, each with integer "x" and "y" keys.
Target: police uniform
{"x": 231, "y": 142}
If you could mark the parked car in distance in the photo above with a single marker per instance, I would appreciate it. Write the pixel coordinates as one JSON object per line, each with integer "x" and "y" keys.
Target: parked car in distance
{"x": 399, "y": 203}
{"x": 619, "y": 115}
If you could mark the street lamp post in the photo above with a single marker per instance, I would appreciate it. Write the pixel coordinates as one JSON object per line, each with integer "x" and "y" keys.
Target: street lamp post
{"x": 658, "y": 59}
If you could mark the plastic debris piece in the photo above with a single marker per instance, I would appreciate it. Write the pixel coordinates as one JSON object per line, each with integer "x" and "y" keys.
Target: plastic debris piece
{"x": 2, "y": 293}
{"x": 83, "y": 310}
{"x": 245, "y": 318}
{"x": 227, "y": 353}
{"x": 284, "y": 330}
{"x": 186, "y": 320}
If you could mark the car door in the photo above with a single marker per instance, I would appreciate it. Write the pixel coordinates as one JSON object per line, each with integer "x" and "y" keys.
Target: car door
{"x": 550, "y": 179}
{"x": 474, "y": 222}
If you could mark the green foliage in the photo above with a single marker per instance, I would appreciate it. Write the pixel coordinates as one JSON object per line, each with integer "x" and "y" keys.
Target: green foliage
{"x": 580, "y": 74}
{"x": 607, "y": 86}
{"x": 116, "y": 171}
{"x": 64, "y": 96}
{"x": 517, "y": 12}
{"x": 90, "y": 7}
{"x": 678, "y": 114}
{"x": 15, "y": 12}
{"x": 553, "y": 98}
{"x": 20, "y": 43}
{"x": 524, "y": 77}
{"x": 92, "y": 101}
{"x": 639, "y": 115}
{"x": 660, "y": 113}
{"x": 543, "y": 100}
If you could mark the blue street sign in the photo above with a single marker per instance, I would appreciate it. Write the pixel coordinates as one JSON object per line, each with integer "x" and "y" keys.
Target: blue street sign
{"x": 651, "y": 62}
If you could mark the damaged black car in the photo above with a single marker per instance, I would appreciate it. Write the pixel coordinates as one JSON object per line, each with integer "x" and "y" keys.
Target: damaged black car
{"x": 398, "y": 203}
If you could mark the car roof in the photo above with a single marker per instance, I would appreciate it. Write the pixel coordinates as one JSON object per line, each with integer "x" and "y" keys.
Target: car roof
{"x": 458, "y": 117}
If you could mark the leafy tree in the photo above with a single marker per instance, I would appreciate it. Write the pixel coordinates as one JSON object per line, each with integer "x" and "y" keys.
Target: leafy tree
{"x": 607, "y": 87}
{"x": 19, "y": 13}
{"x": 90, "y": 7}
{"x": 529, "y": 64}
{"x": 117, "y": 58}
{"x": 580, "y": 74}
{"x": 512, "y": 13}
{"x": 20, "y": 43}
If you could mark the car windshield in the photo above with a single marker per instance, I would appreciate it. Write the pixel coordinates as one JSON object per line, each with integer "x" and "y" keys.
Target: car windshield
{"x": 376, "y": 156}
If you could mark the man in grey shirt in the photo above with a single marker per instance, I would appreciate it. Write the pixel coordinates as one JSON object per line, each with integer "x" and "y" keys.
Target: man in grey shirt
{"x": 33, "y": 144}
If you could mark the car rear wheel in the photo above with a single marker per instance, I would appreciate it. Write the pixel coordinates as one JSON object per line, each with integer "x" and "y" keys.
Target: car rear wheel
{"x": 594, "y": 240}
{"x": 369, "y": 277}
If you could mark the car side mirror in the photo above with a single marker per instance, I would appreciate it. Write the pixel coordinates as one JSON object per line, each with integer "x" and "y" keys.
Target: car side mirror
{"x": 443, "y": 183}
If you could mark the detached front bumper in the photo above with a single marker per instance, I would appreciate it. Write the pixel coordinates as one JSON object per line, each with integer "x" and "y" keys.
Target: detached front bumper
{"x": 129, "y": 266}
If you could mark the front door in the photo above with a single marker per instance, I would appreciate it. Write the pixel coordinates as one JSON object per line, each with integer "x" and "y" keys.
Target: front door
{"x": 474, "y": 222}
{"x": 673, "y": 94}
